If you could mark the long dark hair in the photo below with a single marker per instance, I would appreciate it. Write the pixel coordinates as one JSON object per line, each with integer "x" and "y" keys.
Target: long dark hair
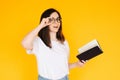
{"x": 44, "y": 33}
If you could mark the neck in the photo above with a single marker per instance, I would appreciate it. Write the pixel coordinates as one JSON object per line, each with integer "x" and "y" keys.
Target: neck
{"x": 53, "y": 36}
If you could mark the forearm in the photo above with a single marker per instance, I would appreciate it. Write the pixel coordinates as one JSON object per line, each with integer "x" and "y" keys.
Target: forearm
{"x": 28, "y": 39}
{"x": 72, "y": 65}
{"x": 76, "y": 64}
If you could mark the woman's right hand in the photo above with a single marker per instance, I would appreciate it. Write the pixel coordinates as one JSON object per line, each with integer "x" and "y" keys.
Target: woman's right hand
{"x": 27, "y": 42}
{"x": 45, "y": 22}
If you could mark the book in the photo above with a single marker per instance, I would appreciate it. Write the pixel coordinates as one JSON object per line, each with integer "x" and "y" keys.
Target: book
{"x": 89, "y": 50}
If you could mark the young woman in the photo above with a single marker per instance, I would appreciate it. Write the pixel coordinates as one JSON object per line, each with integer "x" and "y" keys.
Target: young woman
{"x": 51, "y": 49}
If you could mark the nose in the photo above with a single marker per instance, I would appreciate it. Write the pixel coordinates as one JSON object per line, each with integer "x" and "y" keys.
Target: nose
{"x": 55, "y": 22}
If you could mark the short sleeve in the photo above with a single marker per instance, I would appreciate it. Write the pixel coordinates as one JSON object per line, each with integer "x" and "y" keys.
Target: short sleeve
{"x": 35, "y": 46}
{"x": 67, "y": 47}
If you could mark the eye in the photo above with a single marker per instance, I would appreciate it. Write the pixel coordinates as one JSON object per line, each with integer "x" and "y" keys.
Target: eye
{"x": 50, "y": 19}
{"x": 58, "y": 19}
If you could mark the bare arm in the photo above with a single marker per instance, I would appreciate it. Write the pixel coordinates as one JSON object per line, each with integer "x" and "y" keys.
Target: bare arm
{"x": 27, "y": 42}
{"x": 28, "y": 39}
{"x": 76, "y": 64}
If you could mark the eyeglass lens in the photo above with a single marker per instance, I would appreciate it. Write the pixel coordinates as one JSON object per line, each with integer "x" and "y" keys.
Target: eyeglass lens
{"x": 53, "y": 20}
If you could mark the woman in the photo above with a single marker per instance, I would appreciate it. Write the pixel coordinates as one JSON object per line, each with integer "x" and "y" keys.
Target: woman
{"x": 48, "y": 44}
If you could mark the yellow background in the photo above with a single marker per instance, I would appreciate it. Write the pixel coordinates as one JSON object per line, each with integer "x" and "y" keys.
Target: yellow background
{"x": 83, "y": 21}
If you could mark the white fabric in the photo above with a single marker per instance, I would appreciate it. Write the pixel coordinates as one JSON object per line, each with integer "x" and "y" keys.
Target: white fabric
{"x": 52, "y": 62}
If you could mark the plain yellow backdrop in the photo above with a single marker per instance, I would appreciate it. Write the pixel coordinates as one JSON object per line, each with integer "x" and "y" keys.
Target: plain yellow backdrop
{"x": 83, "y": 21}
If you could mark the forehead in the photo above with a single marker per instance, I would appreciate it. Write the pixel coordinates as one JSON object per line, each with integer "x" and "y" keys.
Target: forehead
{"x": 54, "y": 15}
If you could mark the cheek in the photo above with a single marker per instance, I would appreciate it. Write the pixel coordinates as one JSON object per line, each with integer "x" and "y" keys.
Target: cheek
{"x": 50, "y": 27}
{"x": 59, "y": 24}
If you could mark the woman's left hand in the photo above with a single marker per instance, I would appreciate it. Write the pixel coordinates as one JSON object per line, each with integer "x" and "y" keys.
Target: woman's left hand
{"x": 80, "y": 63}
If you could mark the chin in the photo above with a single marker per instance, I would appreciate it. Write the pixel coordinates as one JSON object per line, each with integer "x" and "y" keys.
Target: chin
{"x": 55, "y": 31}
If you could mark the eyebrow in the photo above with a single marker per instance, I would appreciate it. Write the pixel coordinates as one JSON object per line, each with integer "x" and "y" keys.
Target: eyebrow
{"x": 55, "y": 18}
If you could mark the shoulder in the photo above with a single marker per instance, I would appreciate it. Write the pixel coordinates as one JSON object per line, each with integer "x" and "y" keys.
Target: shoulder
{"x": 66, "y": 43}
{"x": 66, "y": 40}
{"x": 39, "y": 41}
{"x": 37, "y": 38}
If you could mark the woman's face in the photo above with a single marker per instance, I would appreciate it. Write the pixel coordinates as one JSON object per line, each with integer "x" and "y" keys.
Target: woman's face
{"x": 55, "y": 22}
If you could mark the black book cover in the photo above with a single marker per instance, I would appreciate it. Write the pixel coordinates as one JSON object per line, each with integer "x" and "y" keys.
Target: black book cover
{"x": 89, "y": 51}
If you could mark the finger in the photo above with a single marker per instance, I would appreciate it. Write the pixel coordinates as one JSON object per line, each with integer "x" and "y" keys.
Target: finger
{"x": 86, "y": 61}
{"x": 44, "y": 20}
{"x": 83, "y": 61}
{"x": 48, "y": 21}
{"x": 80, "y": 64}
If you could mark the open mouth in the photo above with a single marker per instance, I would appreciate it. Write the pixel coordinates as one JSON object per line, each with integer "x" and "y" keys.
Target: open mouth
{"x": 55, "y": 26}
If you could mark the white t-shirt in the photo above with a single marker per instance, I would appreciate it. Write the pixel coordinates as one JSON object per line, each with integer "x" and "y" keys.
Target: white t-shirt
{"x": 52, "y": 62}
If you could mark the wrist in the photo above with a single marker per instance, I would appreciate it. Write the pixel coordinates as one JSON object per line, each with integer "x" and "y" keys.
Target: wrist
{"x": 40, "y": 26}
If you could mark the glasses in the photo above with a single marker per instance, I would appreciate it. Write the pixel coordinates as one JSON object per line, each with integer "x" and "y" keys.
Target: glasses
{"x": 52, "y": 20}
